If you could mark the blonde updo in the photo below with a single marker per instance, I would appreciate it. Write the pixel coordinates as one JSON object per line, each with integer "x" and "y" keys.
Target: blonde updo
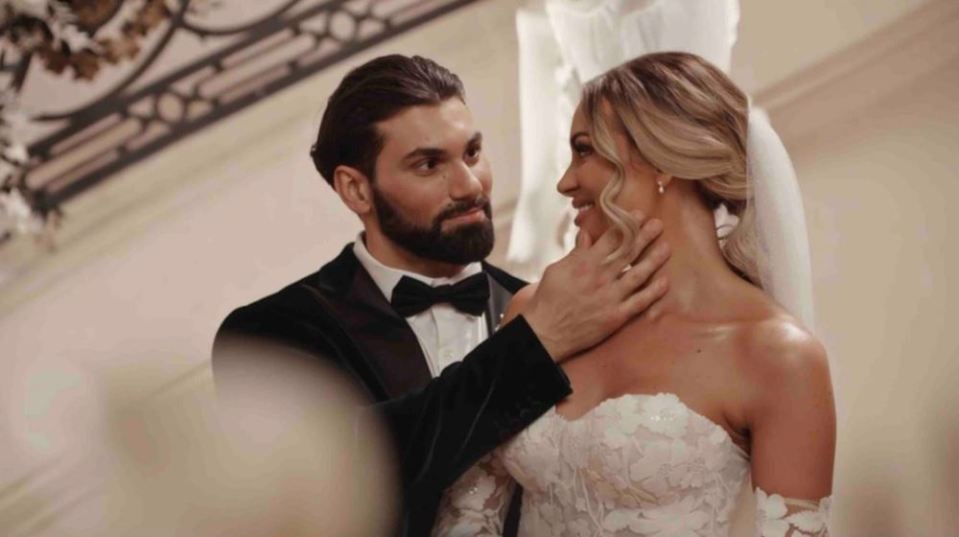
{"x": 687, "y": 119}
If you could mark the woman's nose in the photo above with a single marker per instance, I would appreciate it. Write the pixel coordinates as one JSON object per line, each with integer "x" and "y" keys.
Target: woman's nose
{"x": 567, "y": 183}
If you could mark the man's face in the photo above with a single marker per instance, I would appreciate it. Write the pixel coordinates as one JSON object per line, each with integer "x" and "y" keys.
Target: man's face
{"x": 432, "y": 185}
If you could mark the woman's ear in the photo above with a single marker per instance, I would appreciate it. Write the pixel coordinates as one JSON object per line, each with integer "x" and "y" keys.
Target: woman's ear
{"x": 663, "y": 179}
{"x": 354, "y": 189}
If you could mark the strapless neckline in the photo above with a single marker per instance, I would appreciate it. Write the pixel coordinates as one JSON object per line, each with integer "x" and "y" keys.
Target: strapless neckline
{"x": 612, "y": 401}
{"x": 634, "y": 465}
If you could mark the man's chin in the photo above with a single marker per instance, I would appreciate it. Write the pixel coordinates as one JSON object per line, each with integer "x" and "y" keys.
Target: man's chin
{"x": 471, "y": 242}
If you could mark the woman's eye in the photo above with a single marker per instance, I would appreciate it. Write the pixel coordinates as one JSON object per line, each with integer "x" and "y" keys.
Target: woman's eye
{"x": 473, "y": 153}
{"x": 582, "y": 150}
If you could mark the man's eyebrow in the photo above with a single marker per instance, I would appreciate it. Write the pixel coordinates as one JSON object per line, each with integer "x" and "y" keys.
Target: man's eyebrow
{"x": 427, "y": 152}
{"x": 436, "y": 152}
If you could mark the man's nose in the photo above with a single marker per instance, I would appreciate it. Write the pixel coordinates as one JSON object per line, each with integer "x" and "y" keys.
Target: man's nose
{"x": 464, "y": 183}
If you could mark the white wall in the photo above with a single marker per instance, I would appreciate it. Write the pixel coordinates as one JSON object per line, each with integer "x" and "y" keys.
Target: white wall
{"x": 778, "y": 38}
{"x": 880, "y": 191}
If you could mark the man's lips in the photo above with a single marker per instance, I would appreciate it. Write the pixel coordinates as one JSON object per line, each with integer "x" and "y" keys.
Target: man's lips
{"x": 476, "y": 213}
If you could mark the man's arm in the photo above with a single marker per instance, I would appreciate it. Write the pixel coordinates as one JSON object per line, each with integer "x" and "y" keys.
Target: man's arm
{"x": 472, "y": 406}
{"x": 507, "y": 382}
{"x": 511, "y": 379}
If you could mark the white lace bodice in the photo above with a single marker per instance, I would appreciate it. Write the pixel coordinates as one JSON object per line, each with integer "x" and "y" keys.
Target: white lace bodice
{"x": 642, "y": 465}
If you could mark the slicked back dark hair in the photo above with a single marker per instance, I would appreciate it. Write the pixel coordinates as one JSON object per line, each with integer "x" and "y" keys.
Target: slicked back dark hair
{"x": 373, "y": 92}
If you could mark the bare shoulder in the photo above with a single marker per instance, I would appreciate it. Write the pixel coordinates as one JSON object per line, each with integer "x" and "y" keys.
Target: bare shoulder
{"x": 784, "y": 337}
{"x": 518, "y": 303}
{"x": 780, "y": 358}
{"x": 779, "y": 345}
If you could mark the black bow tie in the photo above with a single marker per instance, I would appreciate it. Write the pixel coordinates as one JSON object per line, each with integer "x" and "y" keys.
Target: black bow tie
{"x": 412, "y": 296}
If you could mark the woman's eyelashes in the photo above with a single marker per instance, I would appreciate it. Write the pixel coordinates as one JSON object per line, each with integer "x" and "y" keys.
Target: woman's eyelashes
{"x": 581, "y": 147}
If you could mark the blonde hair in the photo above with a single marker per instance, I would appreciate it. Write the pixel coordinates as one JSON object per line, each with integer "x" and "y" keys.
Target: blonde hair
{"x": 687, "y": 119}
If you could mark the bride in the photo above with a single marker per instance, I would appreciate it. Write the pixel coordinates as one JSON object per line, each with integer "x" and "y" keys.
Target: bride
{"x": 716, "y": 385}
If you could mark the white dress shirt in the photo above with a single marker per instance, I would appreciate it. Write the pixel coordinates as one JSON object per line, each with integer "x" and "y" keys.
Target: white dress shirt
{"x": 445, "y": 334}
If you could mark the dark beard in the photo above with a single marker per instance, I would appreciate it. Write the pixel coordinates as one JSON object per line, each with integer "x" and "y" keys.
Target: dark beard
{"x": 463, "y": 245}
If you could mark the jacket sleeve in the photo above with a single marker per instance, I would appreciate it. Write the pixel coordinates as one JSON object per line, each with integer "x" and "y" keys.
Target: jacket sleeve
{"x": 437, "y": 433}
{"x": 498, "y": 389}
{"x": 251, "y": 348}
{"x": 278, "y": 338}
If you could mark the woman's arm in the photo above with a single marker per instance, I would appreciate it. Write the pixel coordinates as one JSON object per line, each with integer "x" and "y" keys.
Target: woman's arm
{"x": 793, "y": 434}
{"x": 477, "y": 503}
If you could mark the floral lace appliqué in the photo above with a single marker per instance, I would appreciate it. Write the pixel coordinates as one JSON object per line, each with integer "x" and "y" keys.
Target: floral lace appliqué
{"x": 786, "y": 517}
{"x": 475, "y": 505}
{"x": 636, "y": 465}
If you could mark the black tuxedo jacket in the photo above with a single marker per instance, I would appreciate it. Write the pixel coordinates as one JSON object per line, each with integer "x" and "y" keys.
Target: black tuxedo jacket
{"x": 440, "y": 427}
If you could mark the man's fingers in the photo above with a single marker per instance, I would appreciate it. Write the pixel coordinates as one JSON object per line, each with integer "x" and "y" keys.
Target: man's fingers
{"x": 606, "y": 244}
{"x": 583, "y": 242}
{"x": 641, "y": 301}
{"x": 650, "y": 231}
{"x": 647, "y": 234}
{"x": 640, "y": 273}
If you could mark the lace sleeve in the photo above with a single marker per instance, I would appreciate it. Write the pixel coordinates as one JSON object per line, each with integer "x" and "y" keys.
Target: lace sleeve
{"x": 476, "y": 504}
{"x": 788, "y": 517}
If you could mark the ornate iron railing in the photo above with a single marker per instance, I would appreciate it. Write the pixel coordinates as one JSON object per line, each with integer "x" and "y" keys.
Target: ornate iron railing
{"x": 132, "y": 119}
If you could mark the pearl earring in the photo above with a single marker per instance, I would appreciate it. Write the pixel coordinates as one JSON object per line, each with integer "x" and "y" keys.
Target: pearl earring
{"x": 662, "y": 189}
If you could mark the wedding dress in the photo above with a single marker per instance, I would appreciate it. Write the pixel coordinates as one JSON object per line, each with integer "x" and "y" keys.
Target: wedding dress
{"x": 644, "y": 465}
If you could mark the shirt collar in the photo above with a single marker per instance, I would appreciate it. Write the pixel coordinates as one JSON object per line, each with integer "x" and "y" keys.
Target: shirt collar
{"x": 386, "y": 277}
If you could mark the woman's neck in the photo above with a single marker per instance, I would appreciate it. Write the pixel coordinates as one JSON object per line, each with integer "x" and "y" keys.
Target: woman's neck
{"x": 700, "y": 281}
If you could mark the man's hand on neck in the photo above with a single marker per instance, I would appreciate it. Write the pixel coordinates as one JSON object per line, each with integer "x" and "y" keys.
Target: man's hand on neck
{"x": 584, "y": 298}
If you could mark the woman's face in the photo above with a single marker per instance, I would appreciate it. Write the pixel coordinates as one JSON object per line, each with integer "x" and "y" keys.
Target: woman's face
{"x": 589, "y": 173}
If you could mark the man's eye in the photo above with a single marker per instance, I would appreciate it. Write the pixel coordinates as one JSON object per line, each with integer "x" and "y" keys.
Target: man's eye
{"x": 428, "y": 165}
{"x": 474, "y": 152}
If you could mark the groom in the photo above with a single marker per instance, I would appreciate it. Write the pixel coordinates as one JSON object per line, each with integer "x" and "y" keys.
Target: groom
{"x": 413, "y": 295}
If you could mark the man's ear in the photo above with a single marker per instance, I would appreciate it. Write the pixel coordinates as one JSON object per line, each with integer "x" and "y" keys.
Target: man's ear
{"x": 354, "y": 189}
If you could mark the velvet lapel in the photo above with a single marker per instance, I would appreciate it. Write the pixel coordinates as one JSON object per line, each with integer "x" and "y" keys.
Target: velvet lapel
{"x": 384, "y": 339}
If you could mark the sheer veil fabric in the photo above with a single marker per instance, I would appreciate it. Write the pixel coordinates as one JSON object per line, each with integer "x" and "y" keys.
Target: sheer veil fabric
{"x": 784, "y": 261}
